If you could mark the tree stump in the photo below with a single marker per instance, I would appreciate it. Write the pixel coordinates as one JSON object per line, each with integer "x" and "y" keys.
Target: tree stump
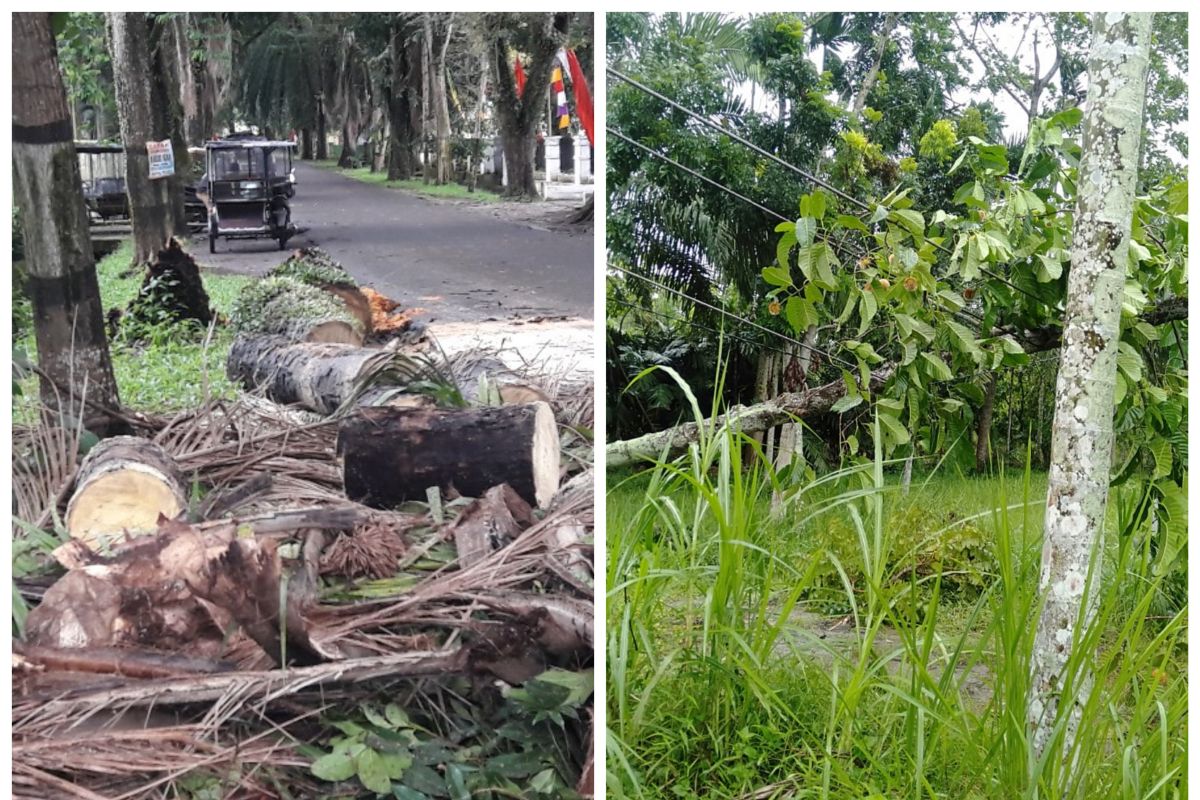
{"x": 390, "y": 455}
{"x": 124, "y": 484}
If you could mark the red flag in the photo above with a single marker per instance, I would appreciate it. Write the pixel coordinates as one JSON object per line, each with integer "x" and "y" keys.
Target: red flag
{"x": 583, "y": 97}
{"x": 519, "y": 74}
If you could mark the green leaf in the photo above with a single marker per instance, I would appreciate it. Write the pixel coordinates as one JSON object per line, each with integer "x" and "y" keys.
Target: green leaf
{"x": 784, "y": 247}
{"x": 1068, "y": 117}
{"x": 994, "y": 158}
{"x": 910, "y": 325}
{"x": 895, "y": 431}
{"x": 911, "y": 220}
{"x": 1050, "y": 270}
{"x": 816, "y": 204}
{"x": 964, "y": 193}
{"x": 867, "y": 311}
{"x": 853, "y": 223}
{"x": 966, "y": 340}
{"x": 1163, "y": 459}
{"x": 334, "y": 767}
{"x": 372, "y": 773}
{"x": 777, "y": 276}
{"x": 879, "y": 214}
{"x": 846, "y": 403}
{"x": 939, "y": 369}
{"x": 396, "y": 716}
{"x": 823, "y": 260}
{"x": 806, "y": 230}
{"x": 1130, "y": 362}
{"x": 799, "y": 315}
{"x": 396, "y": 763}
{"x": 910, "y": 354}
{"x": 785, "y": 227}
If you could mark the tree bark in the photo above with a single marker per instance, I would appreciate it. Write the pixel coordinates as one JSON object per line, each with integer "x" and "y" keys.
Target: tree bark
{"x": 983, "y": 432}
{"x": 519, "y": 115}
{"x": 1082, "y": 435}
{"x": 881, "y": 43}
{"x": 322, "y": 135}
{"x": 168, "y": 107}
{"x": 306, "y": 144}
{"x": 746, "y": 419}
{"x": 319, "y": 377}
{"x": 123, "y": 485}
{"x": 399, "y": 106}
{"x": 67, "y": 316}
{"x": 150, "y": 202}
{"x": 349, "y": 146}
{"x": 392, "y": 455}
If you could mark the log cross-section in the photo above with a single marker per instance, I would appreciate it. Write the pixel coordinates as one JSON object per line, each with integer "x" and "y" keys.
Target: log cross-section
{"x": 392, "y": 455}
{"x": 124, "y": 484}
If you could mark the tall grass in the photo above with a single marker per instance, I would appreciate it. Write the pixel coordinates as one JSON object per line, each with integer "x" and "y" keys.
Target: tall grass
{"x": 722, "y": 685}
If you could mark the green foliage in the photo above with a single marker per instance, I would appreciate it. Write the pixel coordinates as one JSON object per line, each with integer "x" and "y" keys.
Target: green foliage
{"x": 315, "y": 267}
{"x": 284, "y": 305}
{"x": 392, "y": 749}
{"x": 160, "y": 370}
{"x": 721, "y": 682}
{"x": 939, "y": 141}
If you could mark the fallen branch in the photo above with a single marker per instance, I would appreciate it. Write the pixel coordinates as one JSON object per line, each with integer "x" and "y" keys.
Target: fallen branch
{"x": 266, "y": 686}
{"x": 747, "y": 419}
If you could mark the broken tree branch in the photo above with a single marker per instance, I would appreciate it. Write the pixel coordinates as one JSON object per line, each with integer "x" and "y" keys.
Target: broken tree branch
{"x": 747, "y": 419}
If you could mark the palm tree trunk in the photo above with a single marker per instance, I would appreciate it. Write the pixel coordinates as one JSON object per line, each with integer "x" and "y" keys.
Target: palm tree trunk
{"x": 67, "y": 316}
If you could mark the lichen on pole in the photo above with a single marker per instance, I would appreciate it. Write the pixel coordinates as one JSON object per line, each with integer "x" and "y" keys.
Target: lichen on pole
{"x": 1083, "y": 415}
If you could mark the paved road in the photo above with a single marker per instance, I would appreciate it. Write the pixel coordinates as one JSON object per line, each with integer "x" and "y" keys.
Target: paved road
{"x": 457, "y": 262}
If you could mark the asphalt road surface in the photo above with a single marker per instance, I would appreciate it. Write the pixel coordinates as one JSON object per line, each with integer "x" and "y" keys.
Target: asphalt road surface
{"x": 456, "y": 262}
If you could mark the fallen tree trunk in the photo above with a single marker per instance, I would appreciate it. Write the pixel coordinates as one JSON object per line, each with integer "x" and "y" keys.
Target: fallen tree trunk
{"x": 318, "y": 376}
{"x": 391, "y": 455}
{"x": 124, "y": 484}
{"x": 746, "y": 419}
{"x": 290, "y": 308}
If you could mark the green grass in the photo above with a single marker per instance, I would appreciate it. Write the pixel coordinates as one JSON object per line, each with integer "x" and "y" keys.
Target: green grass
{"x": 719, "y": 687}
{"x": 453, "y": 191}
{"x": 175, "y": 368}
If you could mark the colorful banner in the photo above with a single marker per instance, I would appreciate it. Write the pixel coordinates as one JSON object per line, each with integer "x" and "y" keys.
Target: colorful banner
{"x": 519, "y": 74}
{"x": 583, "y": 97}
{"x": 556, "y": 81}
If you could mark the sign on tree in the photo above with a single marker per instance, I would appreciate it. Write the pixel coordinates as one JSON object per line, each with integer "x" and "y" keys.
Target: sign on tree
{"x": 162, "y": 159}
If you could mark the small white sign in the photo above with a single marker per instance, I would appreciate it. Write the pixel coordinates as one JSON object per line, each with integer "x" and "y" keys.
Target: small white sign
{"x": 162, "y": 159}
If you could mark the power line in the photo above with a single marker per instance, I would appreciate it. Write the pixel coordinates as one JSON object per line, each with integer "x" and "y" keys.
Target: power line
{"x": 788, "y": 165}
{"x": 845, "y": 249}
{"x": 745, "y": 142}
{"x": 731, "y": 315}
{"x": 694, "y": 324}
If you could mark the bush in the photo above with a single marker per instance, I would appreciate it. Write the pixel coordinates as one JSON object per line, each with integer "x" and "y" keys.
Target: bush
{"x": 922, "y": 543}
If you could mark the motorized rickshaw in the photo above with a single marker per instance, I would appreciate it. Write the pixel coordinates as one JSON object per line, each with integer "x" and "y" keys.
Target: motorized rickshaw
{"x": 248, "y": 185}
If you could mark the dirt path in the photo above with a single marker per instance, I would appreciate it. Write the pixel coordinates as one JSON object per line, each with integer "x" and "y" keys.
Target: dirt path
{"x": 460, "y": 262}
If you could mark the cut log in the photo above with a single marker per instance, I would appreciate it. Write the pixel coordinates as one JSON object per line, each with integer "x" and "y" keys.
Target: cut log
{"x": 314, "y": 267}
{"x": 390, "y": 456}
{"x": 296, "y": 311}
{"x": 746, "y": 419}
{"x": 319, "y": 377}
{"x": 124, "y": 484}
